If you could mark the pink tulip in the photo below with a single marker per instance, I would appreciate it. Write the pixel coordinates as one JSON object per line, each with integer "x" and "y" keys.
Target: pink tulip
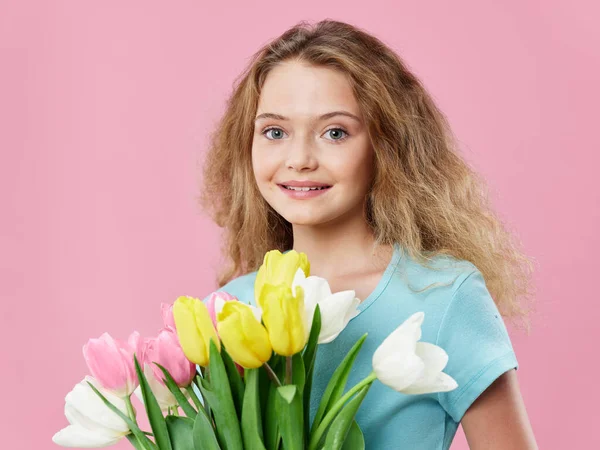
{"x": 110, "y": 362}
{"x": 167, "y": 314}
{"x": 215, "y": 304}
{"x": 166, "y": 351}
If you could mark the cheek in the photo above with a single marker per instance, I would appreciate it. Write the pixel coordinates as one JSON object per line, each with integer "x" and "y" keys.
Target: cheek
{"x": 355, "y": 171}
{"x": 263, "y": 166}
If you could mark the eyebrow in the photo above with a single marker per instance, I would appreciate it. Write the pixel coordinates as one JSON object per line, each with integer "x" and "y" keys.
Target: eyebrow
{"x": 320, "y": 118}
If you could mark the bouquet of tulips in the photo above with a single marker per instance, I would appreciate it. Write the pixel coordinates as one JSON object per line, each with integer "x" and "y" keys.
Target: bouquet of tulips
{"x": 242, "y": 375}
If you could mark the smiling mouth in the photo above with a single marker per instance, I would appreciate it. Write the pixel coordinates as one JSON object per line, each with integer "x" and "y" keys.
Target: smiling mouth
{"x": 294, "y": 188}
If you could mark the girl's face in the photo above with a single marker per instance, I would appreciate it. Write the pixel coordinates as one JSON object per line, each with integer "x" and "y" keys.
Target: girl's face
{"x": 309, "y": 131}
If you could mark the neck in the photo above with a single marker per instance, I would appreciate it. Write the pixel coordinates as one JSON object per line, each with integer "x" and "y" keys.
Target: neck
{"x": 341, "y": 248}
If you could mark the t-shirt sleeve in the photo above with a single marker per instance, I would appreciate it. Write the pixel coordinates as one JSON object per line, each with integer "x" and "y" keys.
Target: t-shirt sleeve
{"x": 473, "y": 334}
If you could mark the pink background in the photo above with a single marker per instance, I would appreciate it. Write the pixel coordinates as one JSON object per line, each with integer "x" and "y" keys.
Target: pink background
{"x": 105, "y": 108}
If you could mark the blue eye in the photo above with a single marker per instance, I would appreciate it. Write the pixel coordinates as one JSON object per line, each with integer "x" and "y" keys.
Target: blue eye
{"x": 271, "y": 129}
{"x": 279, "y": 132}
{"x": 338, "y": 130}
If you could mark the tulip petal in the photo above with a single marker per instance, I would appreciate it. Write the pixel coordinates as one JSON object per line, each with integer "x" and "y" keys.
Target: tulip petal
{"x": 100, "y": 355}
{"x": 205, "y": 325}
{"x": 336, "y": 311}
{"x": 316, "y": 289}
{"x": 278, "y": 268}
{"x": 398, "y": 372}
{"x": 257, "y": 313}
{"x": 167, "y": 315}
{"x": 237, "y": 346}
{"x": 442, "y": 382}
{"x": 195, "y": 329}
{"x": 167, "y": 351}
{"x": 97, "y": 424}
{"x": 403, "y": 339}
{"x": 432, "y": 379}
{"x": 284, "y": 315}
{"x": 256, "y": 337}
{"x": 259, "y": 282}
{"x": 434, "y": 357}
{"x": 299, "y": 278}
{"x": 215, "y": 303}
{"x": 84, "y": 407}
{"x": 244, "y": 337}
{"x": 92, "y": 423}
{"x": 164, "y": 396}
{"x": 79, "y": 437}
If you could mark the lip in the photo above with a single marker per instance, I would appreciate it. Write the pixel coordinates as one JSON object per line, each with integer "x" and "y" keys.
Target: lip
{"x": 303, "y": 183}
{"x": 304, "y": 195}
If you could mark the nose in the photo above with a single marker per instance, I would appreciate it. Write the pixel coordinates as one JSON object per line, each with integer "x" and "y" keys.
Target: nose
{"x": 301, "y": 156}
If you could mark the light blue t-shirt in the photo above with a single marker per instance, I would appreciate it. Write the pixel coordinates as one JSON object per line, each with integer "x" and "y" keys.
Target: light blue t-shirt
{"x": 460, "y": 316}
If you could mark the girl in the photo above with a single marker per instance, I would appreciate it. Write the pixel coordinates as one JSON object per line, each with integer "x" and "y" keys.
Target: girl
{"x": 332, "y": 147}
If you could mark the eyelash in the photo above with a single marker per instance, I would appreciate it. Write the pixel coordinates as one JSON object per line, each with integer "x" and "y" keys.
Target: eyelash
{"x": 335, "y": 141}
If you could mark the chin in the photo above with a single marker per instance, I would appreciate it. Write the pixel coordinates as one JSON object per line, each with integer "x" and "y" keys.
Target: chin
{"x": 306, "y": 218}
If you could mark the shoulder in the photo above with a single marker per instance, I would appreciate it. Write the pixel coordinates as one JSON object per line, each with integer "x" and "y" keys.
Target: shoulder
{"x": 440, "y": 277}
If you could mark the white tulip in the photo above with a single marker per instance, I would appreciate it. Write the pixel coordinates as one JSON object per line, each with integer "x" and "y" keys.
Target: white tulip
{"x": 92, "y": 423}
{"x": 163, "y": 395}
{"x": 409, "y": 366}
{"x": 336, "y": 309}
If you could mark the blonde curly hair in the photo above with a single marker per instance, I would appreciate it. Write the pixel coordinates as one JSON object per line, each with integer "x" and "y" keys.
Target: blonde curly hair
{"x": 423, "y": 194}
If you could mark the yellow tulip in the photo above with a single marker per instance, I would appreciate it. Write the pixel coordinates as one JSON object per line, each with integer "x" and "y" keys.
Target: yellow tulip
{"x": 244, "y": 337}
{"x": 283, "y": 316}
{"x": 278, "y": 268}
{"x": 194, "y": 329}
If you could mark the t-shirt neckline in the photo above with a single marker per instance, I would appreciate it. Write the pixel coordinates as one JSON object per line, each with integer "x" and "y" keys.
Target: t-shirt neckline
{"x": 383, "y": 281}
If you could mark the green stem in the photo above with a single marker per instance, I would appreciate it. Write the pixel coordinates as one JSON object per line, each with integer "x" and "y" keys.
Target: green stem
{"x": 131, "y": 415}
{"x": 315, "y": 438}
{"x": 288, "y": 370}
{"x": 194, "y": 397}
{"x": 198, "y": 383}
{"x": 272, "y": 374}
{"x": 130, "y": 411}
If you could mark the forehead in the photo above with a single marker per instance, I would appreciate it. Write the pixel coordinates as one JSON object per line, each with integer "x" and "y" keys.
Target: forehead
{"x": 297, "y": 90}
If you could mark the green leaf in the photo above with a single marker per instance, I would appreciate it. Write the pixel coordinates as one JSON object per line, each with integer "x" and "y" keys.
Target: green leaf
{"x": 341, "y": 424}
{"x": 217, "y": 393}
{"x": 288, "y": 392}
{"x": 180, "y": 432}
{"x": 183, "y": 402}
{"x": 251, "y": 418}
{"x": 204, "y": 433}
{"x": 235, "y": 381}
{"x": 270, "y": 419}
{"x": 337, "y": 383}
{"x": 355, "y": 439}
{"x": 264, "y": 383}
{"x": 198, "y": 382}
{"x": 135, "y": 442}
{"x": 290, "y": 417}
{"x": 155, "y": 415}
{"x": 311, "y": 347}
{"x": 309, "y": 356}
{"x": 139, "y": 434}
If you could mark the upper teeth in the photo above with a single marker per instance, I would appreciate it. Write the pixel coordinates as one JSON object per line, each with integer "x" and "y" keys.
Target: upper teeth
{"x": 293, "y": 188}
